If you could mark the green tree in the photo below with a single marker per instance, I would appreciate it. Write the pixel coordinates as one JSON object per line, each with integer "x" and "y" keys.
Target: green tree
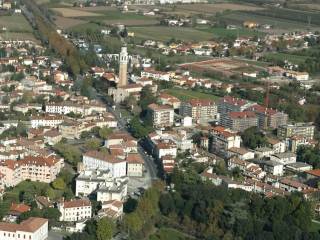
{"x": 253, "y": 138}
{"x": 105, "y": 132}
{"x": 93, "y": 144}
{"x": 105, "y": 229}
{"x": 58, "y": 184}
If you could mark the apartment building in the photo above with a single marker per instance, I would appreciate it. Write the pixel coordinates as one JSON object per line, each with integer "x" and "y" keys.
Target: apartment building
{"x": 162, "y": 115}
{"x": 222, "y": 140}
{"x": 231, "y": 104}
{"x": 31, "y": 229}
{"x": 37, "y": 169}
{"x": 284, "y": 158}
{"x": 135, "y": 165}
{"x": 75, "y": 210}
{"x": 239, "y": 121}
{"x": 201, "y": 110}
{"x": 77, "y": 108}
{"x": 305, "y": 130}
{"x": 117, "y": 165}
{"x": 268, "y": 117}
{"x": 46, "y": 121}
{"x": 123, "y": 139}
{"x": 91, "y": 181}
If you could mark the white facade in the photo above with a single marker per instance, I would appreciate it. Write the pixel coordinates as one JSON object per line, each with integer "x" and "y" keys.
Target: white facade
{"x": 30, "y": 229}
{"x": 97, "y": 160}
{"x": 284, "y": 158}
{"x": 75, "y": 210}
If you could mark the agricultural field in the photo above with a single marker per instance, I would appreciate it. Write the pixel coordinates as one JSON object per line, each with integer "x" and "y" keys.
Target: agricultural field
{"x": 296, "y": 59}
{"x": 163, "y": 33}
{"x": 231, "y": 33}
{"x": 185, "y": 94}
{"x": 17, "y": 27}
{"x": 74, "y": 13}
{"x": 65, "y": 23}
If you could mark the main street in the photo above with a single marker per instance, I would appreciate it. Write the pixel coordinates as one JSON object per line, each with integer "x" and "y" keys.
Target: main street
{"x": 150, "y": 165}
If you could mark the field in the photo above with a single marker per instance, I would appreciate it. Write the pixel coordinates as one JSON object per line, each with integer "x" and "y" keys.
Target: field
{"x": 279, "y": 24}
{"x": 64, "y": 23}
{"x": 68, "y": 12}
{"x": 296, "y": 59}
{"x": 17, "y": 27}
{"x": 162, "y": 33}
{"x": 234, "y": 33}
{"x": 169, "y": 233}
{"x": 184, "y": 94}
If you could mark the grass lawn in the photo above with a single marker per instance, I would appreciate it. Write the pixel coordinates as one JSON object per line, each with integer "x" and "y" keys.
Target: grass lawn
{"x": 184, "y": 94}
{"x": 285, "y": 56}
{"x": 162, "y": 33}
{"x": 231, "y": 33}
{"x": 169, "y": 233}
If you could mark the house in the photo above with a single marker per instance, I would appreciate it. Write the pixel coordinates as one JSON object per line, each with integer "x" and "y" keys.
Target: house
{"x": 112, "y": 209}
{"x": 74, "y": 210}
{"x": 263, "y": 152}
{"x": 17, "y": 209}
{"x": 284, "y": 158}
{"x": 135, "y": 165}
{"x": 272, "y": 167}
{"x": 276, "y": 145}
{"x": 298, "y": 167}
{"x": 33, "y": 228}
{"x": 241, "y": 153}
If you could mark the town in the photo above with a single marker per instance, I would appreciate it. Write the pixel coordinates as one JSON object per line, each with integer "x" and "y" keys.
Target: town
{"x": 111, "y": 133}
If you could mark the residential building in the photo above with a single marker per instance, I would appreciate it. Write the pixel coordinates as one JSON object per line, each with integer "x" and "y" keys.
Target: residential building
{"x": 241, "y": 153}
{"x": 37, "y": 169}
{"x": 91, "y": 181}
{"x": 298, "y": 129}
{"x": 298, "y": 167}
{"x": 75, "y": 210}
{"x": 231, "y": 104}
{"x": 202, "y": 111}
{"x": 32, "y": 229}
{"x": 135, "y": 165}
{"x": 222, "y": 140}
{"x": 284, "y": 158}
{"x": 162, "y": 115}
{"x": 117, "y": 165}
{"x": 167, "y": 99}
{"x": 272, "y": 167}
{"x": 268, "y": 117}
{"x": 276, "y": 145}
{"x": 249, "y": 169}
{"x": 239, "y": 121}
{"x": 46, "y": 121}
{"x": 112, "y": 209}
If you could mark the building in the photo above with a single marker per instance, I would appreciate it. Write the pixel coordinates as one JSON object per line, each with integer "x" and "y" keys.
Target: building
{"x": 112, "y": 209}
{"x": 117, "y": 165}
{"x": 274, "y": 168}
{"x": 239, "y": 121}
{"x": 46, "y": 121}
{"x": 268, "y": 117}
{"x": 167, "y": 99}
{"x": 241, "y": 153}
{"x": 75, "y": 210}
{"x": 231, "y": 104}
{"x": 162, "y": 115}
{"x": 31, "y": 229}
{"x": 298, "y": 129}
{"x": 135, "y": 165}
{"x": 222, "y": 140}
{"x": 298, "y": 167}
{"x": 91, "y": 181}
{"x": 201, "y": 110}
{"x": 37, "y": 169}
{"x": 284, "y": 158}
{"x": 123, "y": 78}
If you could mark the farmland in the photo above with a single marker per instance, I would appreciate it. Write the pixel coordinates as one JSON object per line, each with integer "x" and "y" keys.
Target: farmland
{"x": 162, "y": 33}
{"x": 231, "y": 33}
{"x": 17, "y": 27}
{"x": 64, "y": 23}
{"x": 68, "y": 12}
{"x": 185, "y": 94}
{"x": 296, "y": 59}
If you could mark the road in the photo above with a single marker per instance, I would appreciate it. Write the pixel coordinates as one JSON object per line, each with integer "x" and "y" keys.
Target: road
{"x": 150, "y": 165}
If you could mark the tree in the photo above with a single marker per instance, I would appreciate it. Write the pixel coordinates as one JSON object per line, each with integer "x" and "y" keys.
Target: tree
{"x": 105, "y": 132}
{"x": 93, "y": 144}
{"x": 147, "y": 97}
{"x": 253, "y": 138}
{"x": 58, "y": 184}
{"x": 105, "y": 229}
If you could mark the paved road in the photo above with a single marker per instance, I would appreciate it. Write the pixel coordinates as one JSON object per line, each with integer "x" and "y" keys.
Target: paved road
{"x": 150, "y": 166}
